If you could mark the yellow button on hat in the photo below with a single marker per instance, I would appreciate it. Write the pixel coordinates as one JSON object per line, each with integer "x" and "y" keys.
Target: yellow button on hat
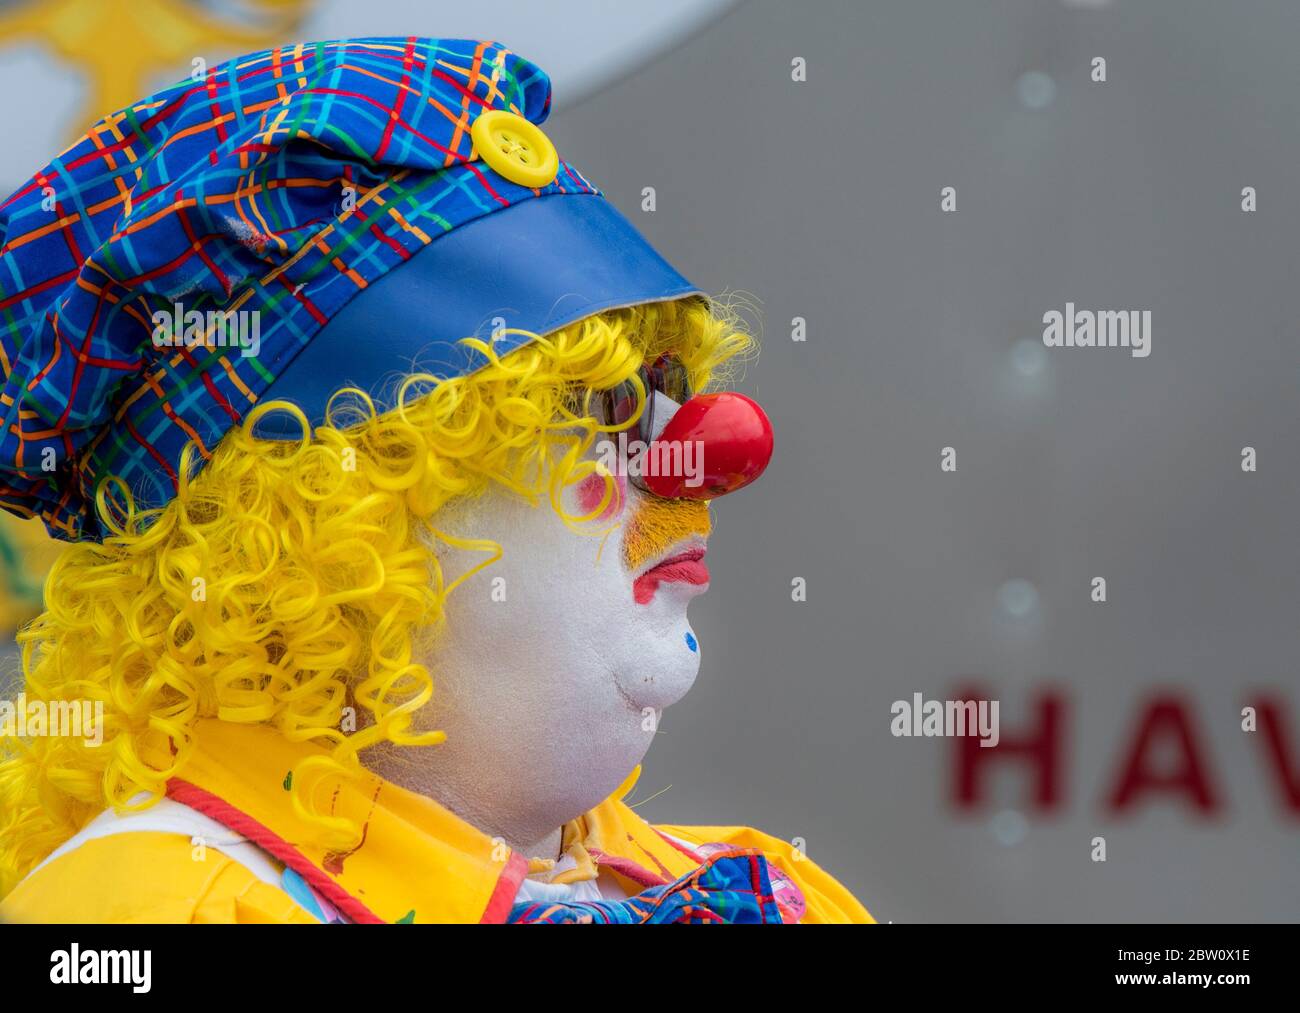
{"x": 515, "y": 147}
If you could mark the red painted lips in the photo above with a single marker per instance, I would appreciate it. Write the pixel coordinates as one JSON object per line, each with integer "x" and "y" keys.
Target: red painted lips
{"x": 686, "y": 567}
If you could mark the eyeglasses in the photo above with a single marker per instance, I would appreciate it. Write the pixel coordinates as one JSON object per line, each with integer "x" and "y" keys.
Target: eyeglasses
{"x": 666, "y": 376}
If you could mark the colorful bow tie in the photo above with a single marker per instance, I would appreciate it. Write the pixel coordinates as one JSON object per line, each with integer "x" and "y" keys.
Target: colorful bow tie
{"x": 730, "y": 888}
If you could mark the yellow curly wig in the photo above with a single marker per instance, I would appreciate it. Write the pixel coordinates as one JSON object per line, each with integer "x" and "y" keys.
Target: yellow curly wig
{"x": 288, "y": 581}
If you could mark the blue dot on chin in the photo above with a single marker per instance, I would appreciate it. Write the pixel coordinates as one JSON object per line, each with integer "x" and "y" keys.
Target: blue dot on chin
{"x": 691, "y": 642}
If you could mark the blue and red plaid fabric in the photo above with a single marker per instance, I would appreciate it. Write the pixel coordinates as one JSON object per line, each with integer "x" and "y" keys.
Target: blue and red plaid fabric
{"x": 731, "y": 888}
{"x": 283, "y": 182}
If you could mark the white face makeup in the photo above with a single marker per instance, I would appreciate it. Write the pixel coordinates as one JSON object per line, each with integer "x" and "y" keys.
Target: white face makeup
{"x": 555, "y": 662}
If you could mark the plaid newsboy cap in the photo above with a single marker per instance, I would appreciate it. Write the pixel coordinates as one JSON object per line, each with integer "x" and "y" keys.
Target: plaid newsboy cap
{"x": 234, "y": 237}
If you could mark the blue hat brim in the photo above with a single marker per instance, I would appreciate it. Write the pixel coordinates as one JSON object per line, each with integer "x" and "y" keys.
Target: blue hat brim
{"x": 536, "y": 266}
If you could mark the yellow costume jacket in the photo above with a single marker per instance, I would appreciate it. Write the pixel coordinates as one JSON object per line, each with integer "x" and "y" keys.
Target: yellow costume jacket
{"x": 228, "y": 846}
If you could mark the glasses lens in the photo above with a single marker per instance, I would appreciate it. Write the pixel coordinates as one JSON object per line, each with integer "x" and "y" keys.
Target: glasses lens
{"x": 673, "y": 380}
{"x": 618, "y": 405}
{"x": 666, "y": 376}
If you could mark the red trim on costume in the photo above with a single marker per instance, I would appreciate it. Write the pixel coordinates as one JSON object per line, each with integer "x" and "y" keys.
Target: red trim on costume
{"x": 688, "y": 852}
{"x": 503, "y": 894}
{"x": 630, "y": 869}
{"x": 227, "y": 815}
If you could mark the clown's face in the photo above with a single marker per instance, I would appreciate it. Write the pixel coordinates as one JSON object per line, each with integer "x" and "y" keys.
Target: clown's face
{"x": 556, "y": 662}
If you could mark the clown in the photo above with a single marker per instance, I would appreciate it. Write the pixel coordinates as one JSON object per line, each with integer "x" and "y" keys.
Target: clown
{"x": 383, "y": 588}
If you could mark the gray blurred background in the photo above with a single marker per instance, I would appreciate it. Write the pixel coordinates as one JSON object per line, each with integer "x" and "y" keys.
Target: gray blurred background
{"x": 821, "y": 200}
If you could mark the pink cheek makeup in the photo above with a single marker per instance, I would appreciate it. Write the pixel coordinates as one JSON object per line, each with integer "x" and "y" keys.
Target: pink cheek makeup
{"x": 591, "y": 490}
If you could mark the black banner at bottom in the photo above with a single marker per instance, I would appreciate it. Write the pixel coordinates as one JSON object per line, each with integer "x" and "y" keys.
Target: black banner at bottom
{"x": 337, "y": 964}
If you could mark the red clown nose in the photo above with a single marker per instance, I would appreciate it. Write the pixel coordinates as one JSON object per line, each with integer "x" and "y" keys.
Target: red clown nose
{"x": 732, "y": 434}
